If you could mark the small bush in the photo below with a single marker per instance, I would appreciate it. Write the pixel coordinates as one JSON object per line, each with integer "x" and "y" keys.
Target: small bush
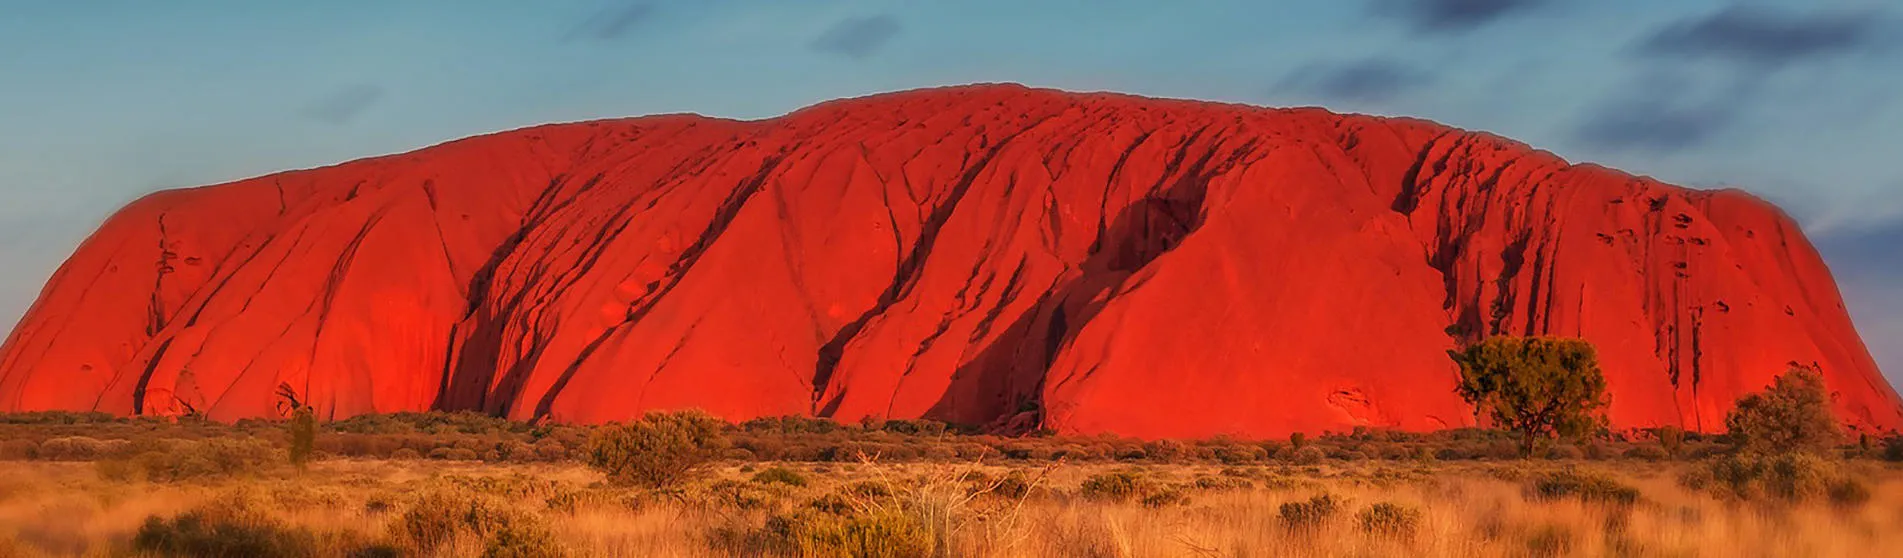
{"x": 878, "y": 534}
{"x": 1013, "y": 486}
{"x": 1847, "y": 492}
{"x": 118, "y": 470}
{"x": 1647, "y": 453}
{"x": 659, "y": 450}
{"x": 1223, "y": 483}
{"x": 779, "y": 475}
{"x": 1549, "y": 541}
{"x": 1309, "y": 513}
{"x": 1788, "y": 478}
{"x": 1671, "y": 441}
{"x": 303, "y": 427}
{"x": 1793, "y": 415}
{"x": 1565, "y": 452}
{"x": 1389, "y": 520}
{"x": 440, "y": 517}
{"x": 1117, "y": 486}
{"x": 453, "y": 454}
{"x": 19, "y": 449}
{"x": 1798, "y": 477}
{"x": 1164, "y": 498}
{"x": 1584, "y": 486}
{"x": 1892, "y": 448}
{"x": 72, "y": 448}
{"x": 234, "y": 527}
{"x": 182, "y": 460}
{"x": 731, "y": 494}
{"x": 1308, "y": 456}
{"x": 833, "y": 504}
{"x": 378, "y": 504}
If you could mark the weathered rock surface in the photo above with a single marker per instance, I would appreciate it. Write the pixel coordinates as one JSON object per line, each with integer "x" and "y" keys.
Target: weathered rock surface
{"x": 988, "y": 254}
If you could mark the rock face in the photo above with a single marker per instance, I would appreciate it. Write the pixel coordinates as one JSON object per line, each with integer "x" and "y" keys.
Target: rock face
{"x": 991, "y": 254}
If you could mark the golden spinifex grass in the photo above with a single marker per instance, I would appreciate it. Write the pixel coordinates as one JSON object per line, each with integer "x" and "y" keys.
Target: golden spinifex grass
{"x": 444, "y": 508}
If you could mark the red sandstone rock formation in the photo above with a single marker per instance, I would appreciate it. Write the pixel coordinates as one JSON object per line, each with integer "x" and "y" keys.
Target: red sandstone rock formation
{"x": 992, "y": 254}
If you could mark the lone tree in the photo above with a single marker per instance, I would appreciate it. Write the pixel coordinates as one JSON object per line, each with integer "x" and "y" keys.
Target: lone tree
{"x": 1540, "y": 387}
{"x": 1793, "y": 415}
{"x": 303, "y": 425}
{"x": 659, "y": 450}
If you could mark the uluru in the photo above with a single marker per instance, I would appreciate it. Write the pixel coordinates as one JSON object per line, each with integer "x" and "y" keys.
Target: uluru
{"x": 990, "y": 255}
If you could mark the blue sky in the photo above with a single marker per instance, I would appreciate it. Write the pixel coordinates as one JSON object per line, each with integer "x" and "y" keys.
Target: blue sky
{"x": 1799, "y": 101}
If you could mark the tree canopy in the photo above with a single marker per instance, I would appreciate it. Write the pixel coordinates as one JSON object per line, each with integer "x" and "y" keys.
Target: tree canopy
{"x": 1792, "y": 415}
{"x": 1541, "y": 387}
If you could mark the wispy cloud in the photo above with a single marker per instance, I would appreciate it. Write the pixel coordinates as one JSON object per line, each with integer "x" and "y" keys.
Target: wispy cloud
{"x": 343, "y": 105}
{"x": 1762, "y": 36}
{"x": 1372, "y": 80}
{"x": 1703, "y": 74}
{"x": 613, "y": 23}
{"x": 1439, "y": 16}
{"x": 858, "y": 37}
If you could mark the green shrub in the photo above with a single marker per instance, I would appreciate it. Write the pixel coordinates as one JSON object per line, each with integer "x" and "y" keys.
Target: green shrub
{"x": 233, "y": 527}
{"x": 1308, "y": 456}
{"x": 1788, "y": 478}
{"x": 731, "y": 494}
{"x": 1389, "y": 520}
{"x": 1226, "y": 482}
{"x": 1165, "y": 497}
{"x": 876, "y": 534}
{"x": 522, "y": 540}
{"x": 1584, "y": 486}
{"x": 443, "y": 516}
{"x": 303, "y": 427}
{"x": 1793, "y": 415}
{"x": 1012, "y": 486}
{"x": 1798, "y": 477}
{"x": 659, "y": 450}
{"x": 779, "y": 475}
{"x": 869, "y": 490}
{"x": 1115, "y": 486}
{"x": 182, "y": 460}
{"x": 1309, "y": 513}
{"x": 834, "y": 504}
{"x": 453, "y": 454}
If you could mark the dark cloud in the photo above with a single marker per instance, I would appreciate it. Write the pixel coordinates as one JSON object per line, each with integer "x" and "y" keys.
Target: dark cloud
{"x": 1655, "y": 121}
{"x": 1669, "y": 109}
{"x": 1652, "y": 124}
{"x": 344, "y": 105}
{"x": 1762, "y": 36}
{"x": 1450, "y": 15}
{"x": 1365, "y": 81}
{"x": 613, "y": 23}
{"x": 858, "y": 37}
{"x": 1877, "y": 250}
